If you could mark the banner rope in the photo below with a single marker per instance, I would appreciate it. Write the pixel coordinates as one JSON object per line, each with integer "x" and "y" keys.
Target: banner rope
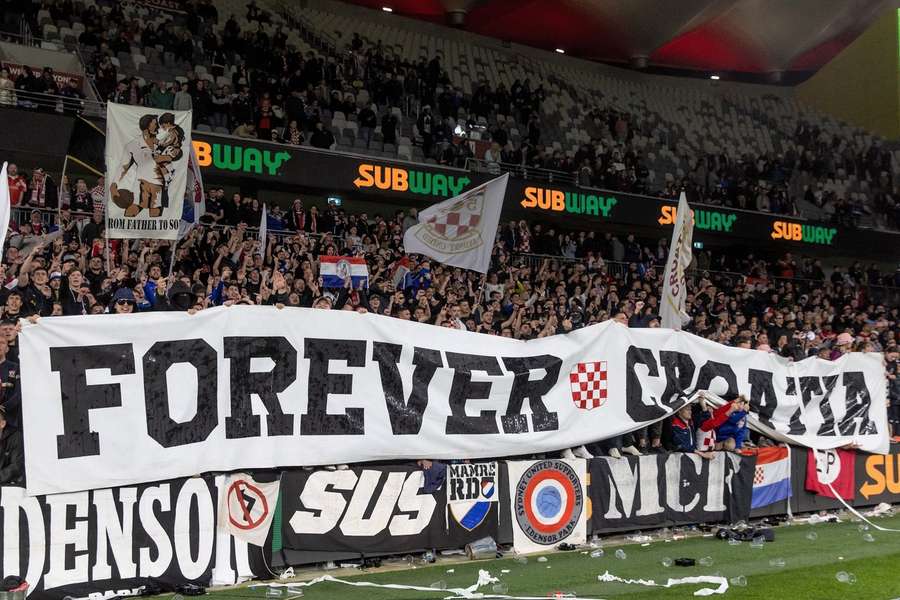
{"x": 857, "y": 514}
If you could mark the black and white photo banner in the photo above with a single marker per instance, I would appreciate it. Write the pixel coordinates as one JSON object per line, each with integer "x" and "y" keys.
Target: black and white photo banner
{"x": 117, "y": 542}
{"x": 147, "y": 152}
{"x": 119, "y": 399}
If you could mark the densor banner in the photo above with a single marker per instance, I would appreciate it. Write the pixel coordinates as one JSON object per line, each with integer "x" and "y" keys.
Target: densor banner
{"x": 119, "y": 399}
{"x": 113, "y": 542}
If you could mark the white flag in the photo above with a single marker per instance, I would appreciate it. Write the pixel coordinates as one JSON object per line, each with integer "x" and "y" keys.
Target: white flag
{"x": 4, "y": 206}
{"x": 247, "y": 507}
{"x": 194, "y": 188}
{"x": 460, "y": 231}
{"x": 672, "y": 312}
{"x": 263, "y": 231}
{"x": 147, "y": 154}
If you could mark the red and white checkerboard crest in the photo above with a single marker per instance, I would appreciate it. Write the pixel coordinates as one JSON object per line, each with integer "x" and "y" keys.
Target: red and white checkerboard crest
{"x": 588, "y": 381}
{"x": 758, "y": 476}
{"x": 459, "y": 220}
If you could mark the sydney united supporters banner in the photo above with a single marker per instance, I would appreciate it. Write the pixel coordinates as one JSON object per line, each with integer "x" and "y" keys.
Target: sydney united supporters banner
{"x": 644, "y": 491}
{"x": 255, "y": 387}
{"x": 120, "y": 542}
{"x": 147, "y": 157}
{"x": 377, "y": 509}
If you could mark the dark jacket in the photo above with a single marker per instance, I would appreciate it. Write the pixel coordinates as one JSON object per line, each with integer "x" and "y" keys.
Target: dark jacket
{"x": 683, "y": 435}
{"x": 12, "y": 457}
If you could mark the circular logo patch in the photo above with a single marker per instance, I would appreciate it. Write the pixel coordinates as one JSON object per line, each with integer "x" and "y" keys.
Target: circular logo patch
{"x": 828, "y": 466}
{"x": 548, "y": 501}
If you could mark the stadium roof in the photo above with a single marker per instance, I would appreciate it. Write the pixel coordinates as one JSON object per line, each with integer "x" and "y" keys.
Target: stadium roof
{"x": 749, "y": 36}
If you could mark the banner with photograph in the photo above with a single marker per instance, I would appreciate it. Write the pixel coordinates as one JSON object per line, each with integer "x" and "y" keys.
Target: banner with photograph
{"x": 121, "y": 541}
{"x": 245, "y": 387}
{"x": 147, "y": 161}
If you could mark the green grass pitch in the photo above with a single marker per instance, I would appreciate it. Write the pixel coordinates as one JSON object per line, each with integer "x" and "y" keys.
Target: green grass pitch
{"x": 808, "y": 574}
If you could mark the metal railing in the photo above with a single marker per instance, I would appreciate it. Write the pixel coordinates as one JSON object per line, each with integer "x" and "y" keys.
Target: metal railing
{"x": 478, "y": 165}
{"x": 53, "y": 103}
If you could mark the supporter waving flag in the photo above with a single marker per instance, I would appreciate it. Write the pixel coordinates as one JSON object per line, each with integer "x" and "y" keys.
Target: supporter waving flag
{"x": 460, "y": 231}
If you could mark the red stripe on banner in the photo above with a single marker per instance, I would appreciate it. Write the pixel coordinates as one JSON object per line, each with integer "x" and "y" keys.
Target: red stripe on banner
{"x": 770, "y": 455}
{"x": 356, "y": 260}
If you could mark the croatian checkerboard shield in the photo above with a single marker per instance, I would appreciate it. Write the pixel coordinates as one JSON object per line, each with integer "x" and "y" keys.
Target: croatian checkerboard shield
{"x": 588, "y": 381}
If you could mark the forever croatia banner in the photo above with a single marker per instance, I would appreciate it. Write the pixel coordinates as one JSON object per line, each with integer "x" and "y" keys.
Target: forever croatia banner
{"x": 245, "y": 387}
{"x": 147, "y": 162}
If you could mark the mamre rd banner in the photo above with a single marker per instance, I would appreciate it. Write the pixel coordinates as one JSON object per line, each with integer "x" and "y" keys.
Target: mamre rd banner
{"x": 120, "y": 399}
{"x": 147, "y": 161}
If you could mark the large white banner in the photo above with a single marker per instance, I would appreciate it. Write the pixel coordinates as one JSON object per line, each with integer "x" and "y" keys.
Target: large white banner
{"x": 147, "y": 156}
{"x": 117, "y": 399}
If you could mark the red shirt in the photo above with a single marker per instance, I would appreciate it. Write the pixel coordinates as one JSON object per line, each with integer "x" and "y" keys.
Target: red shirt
{"x": 17, "y": 187}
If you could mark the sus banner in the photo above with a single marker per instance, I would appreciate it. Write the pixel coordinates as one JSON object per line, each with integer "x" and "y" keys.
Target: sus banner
{"x": 120, "y": 399}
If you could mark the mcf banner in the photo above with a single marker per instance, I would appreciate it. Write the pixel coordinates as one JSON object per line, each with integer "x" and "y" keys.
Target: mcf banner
{"x": 147, "y": 162}
{"x": 118, "y": 399}
{"x": 548, "y": 503}
{"x": 247, "y": 508}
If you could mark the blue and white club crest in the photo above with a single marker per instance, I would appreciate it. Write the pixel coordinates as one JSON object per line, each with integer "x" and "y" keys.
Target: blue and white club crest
{"x": 471, "y": 514}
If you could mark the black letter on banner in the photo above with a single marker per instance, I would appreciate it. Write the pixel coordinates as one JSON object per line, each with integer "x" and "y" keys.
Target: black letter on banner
{"x": 634, "y": 405}
{"x": 763, "y": 399}
{"x": 827, "y": 427}
{"x": 533, "y": 391}
{"x": 157, "y": 361}
{"x": 78, "y": 398}
{"x": 242, "y": 422}
{"x": 679, "y": 368}
{"x": 463, "y": 389}
{"x": 795, "y": 426}
{"x": 858, "y": 401}
{"x": 317, "y": 421}
{"x": 406, "y": 416}
{"x": 713, "y": 369}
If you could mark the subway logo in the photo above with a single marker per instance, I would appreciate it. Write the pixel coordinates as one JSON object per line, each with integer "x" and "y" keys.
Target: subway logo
{"x": 810, "y": 234}
{"x": 398, "y": 179}
{"x": 570, "y": 202}
{"x": 708, "y": 220}
{"x": 228, "y": 157}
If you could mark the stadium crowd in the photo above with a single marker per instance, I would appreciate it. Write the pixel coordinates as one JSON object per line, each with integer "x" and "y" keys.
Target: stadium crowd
{"x": 258, "y": 86}
{"x": 543, "y": 281}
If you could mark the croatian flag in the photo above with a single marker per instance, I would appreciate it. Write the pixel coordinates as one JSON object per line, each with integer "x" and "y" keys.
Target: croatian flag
{"x": 335, "y": 269}
{"x": 772, "y": 479}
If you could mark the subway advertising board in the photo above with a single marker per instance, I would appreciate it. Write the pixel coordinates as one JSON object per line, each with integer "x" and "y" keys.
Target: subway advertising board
{"x": 284, "y": 167}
